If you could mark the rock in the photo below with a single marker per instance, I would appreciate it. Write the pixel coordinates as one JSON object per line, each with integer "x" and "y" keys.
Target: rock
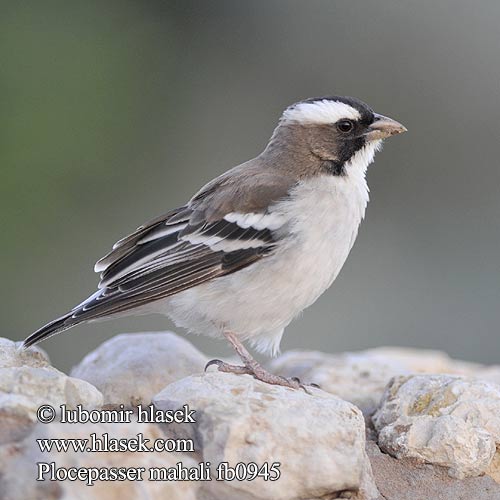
{"x": 360, "y": 377}
{"x": 317, "y": 438}
{"x": 409, "y": 479}
{"x": 18, "y": 464}
{"x": 451, "y": 421}
{"x": 355, "y": 377}
{"x": 131, "y": 368}
{"x": 490, "y": 373}
{"x": 27, "y": 381}
{"x": 429, "y": 361}
{"x": 422, "y": 360}
{"x": 12, "y": 356}
{"x": 494, "y": 468}
{"x": 442, "y": 431}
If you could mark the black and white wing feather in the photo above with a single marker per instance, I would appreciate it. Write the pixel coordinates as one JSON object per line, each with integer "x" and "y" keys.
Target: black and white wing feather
{"x": 170, "y": 254}
{"x": 225, "y": 227}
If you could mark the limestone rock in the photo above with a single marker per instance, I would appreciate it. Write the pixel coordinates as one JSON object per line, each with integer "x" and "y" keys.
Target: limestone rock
{"x": 18, "y": 464}
{"x": 429, "y": 361}
{"x": 443, "y": 431}
{"x": 360, "y": 377}
{"x": 131, "y": 368}
{"x": 447, "y": 420}
{"x": 494, "y": 468}
{"x": 12, "y": 356}
{"x": 490, "y": 373}
{"x": 356, "y": 377}
{"x": 317, "y": 438}
{"x": 423, "y": 360}
{"x": 27, "y": 381}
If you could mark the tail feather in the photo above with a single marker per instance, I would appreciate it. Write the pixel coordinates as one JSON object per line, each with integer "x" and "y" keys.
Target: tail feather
{"x": 70, "y": 319}
{"x": 57, "y": 326}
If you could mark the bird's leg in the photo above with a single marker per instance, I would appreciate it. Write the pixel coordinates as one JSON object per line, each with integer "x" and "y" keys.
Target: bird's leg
{"x": 251, "y": 366}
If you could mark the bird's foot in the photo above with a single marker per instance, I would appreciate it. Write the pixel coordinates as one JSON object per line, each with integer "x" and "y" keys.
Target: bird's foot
{"x": 260, "y": 373}
{"x": 222, "y": 366}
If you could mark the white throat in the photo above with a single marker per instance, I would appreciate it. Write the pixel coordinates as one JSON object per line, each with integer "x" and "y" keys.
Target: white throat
{"x": 355, "y": 174}
{"x": 362, "y": 158}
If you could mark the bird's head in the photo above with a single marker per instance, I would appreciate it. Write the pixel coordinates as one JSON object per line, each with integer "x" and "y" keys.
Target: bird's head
{"x": 334, "y": 129}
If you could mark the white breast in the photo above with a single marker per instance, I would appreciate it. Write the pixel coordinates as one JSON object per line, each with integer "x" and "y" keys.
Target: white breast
{"x": 326, "y": 212}
{"x": 259, "y": 301}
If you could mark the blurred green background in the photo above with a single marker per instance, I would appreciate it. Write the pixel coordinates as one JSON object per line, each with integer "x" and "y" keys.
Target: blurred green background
{"x": 115, "y": 111}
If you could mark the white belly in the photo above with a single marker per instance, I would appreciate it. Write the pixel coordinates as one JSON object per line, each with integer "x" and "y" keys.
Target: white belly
{"x": 259, "y": 301}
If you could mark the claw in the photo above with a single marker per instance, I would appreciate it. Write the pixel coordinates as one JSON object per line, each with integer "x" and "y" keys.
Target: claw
{"x": 304, "y": 388}
{"x": 217, "y": 362}
{"x": 222, "y": 366}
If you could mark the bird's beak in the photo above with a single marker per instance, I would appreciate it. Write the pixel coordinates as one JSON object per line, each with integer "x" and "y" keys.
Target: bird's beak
{"x": 384, "y": 127}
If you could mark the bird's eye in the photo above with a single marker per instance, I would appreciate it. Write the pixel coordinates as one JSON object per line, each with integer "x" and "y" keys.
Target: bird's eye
{"x": 345, "y": 126}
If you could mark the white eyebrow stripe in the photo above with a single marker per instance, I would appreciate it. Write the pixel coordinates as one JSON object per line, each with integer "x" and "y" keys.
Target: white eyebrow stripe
{"x": 320, "y": 112}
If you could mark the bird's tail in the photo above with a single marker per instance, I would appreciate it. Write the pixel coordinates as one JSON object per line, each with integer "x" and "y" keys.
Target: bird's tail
{"x": 52, "y": 328}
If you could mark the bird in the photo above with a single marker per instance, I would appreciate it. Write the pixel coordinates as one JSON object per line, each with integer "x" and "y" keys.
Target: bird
{"x": 256, "y": 245}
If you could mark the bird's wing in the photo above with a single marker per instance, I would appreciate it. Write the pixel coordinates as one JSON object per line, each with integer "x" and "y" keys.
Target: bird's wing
{"x": 224, "y": 228}
{"x": 171, "y": 258}
{"x": 212, "y": 236}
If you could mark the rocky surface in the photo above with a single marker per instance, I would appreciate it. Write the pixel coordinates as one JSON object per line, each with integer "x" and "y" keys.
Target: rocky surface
{"x": 317, "y": 438}
{"x": 24, "y": 455}
{"x": 356, "y": 377}
{"x": 27, "y": 381}
{"x": 452, "y": 421}
{"x": 433, "y": 423}
{"x": 131, "y": 368}
{"x": 360, "y": 377}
